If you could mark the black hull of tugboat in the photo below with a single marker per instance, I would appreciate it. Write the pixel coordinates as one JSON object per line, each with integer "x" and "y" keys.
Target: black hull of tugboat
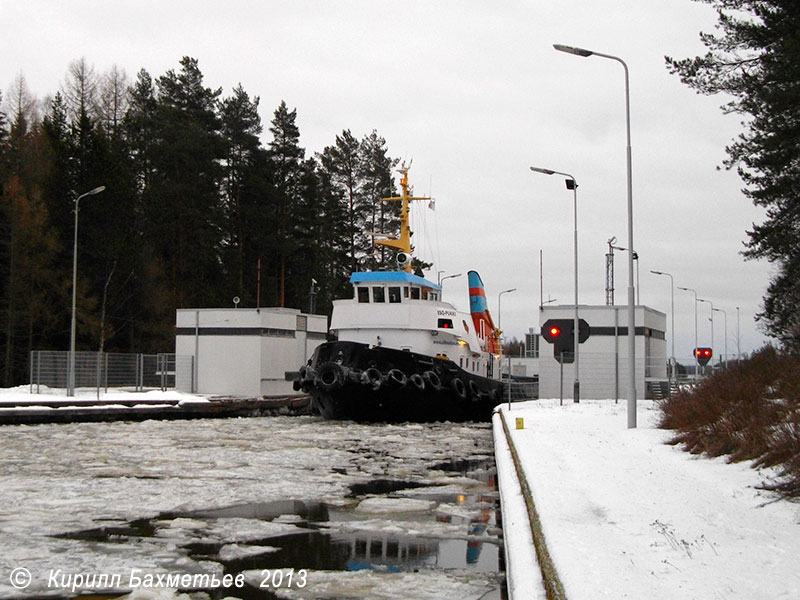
{"x": 349, "y": 380}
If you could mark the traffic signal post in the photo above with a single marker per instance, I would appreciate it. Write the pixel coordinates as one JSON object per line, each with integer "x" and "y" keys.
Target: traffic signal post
{"x": 561, "y": 333}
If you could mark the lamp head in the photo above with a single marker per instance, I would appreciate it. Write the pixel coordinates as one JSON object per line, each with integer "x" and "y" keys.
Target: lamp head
{"x": 573, "y": 50}
{"x": 540, "y": 170}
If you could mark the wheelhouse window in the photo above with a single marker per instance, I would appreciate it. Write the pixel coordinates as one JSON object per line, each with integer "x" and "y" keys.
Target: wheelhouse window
{"x": 363, "y": 294}
{"x": 445, "y": 324}
{"x": 394, "y": 295}
{"x": 378, "y": 294}
{"x": 415, "y": 293}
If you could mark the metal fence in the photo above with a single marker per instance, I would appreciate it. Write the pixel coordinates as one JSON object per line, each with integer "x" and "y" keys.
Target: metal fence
{"x": 518, "y": 389}
{"x": 103, "y": 370}
{"x": 605, "y": 375}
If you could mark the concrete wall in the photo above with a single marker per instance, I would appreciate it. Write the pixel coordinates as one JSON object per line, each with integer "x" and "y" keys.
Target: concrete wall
{"x": 247, "y": 352}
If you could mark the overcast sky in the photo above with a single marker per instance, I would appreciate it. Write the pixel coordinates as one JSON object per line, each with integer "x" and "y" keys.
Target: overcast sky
{"x": 474, "y": 93}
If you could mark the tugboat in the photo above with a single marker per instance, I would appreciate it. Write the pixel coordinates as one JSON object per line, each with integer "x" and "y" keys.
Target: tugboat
{"x": 401, "y": 353}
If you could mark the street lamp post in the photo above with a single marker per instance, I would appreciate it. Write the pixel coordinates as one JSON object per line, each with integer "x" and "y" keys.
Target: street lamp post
{"x": 711, "y": 304}
{"x": 725, "y": 320}
{"x": 71, "y": 370}
{"x": 738, "y": 339}
{"x": 572, "y": 184}
{"x": 696, "y": 363}
{"x": 501, "y": 343}
{"x": 498, "y": 305}
{"x": 631, "y": 292}
{"x": 672, "y": 310}
{"x": 441, "y": 279}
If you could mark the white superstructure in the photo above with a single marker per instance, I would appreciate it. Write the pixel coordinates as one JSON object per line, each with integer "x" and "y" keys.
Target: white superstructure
{"x": 395, "y": 309}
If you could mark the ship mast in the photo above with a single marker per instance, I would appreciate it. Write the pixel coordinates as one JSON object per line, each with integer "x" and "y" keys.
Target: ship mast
{"x": 402, "y": 243}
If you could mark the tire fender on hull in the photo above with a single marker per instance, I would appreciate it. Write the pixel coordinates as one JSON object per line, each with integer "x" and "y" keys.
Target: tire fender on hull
{"x": 432, "y": 380}
{"x": 396, "y": 378}
{"x": 458, "y": 387}
{"x": 372, "y": 377}
{"x": 416, "y": 380}
{"x": 330, "y": 376}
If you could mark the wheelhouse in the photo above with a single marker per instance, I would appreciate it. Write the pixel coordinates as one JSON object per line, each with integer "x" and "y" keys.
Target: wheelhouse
{"x": 392, "y": 287}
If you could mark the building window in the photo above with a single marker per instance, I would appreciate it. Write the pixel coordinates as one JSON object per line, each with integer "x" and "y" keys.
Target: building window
{"x": 363, "y": 294}
{"x": 378, "y": 294}
{"x": 532, "y": 345}
{"x": 394, "y": 295}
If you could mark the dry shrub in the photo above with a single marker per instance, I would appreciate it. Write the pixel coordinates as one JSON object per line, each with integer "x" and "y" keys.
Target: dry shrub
{"x": 750, "y": 411}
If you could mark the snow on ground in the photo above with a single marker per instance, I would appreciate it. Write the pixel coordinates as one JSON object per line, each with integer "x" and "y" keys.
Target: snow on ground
{"x": 22, "y": 395}
{"x": 627, "y": 516}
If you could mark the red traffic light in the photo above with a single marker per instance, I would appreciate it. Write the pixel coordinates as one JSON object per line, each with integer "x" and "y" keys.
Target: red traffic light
{"x": 703, "y": 355}
{"x": 555, "y": 331}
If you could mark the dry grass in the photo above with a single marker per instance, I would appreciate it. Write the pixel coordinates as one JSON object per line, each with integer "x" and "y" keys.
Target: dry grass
{"x": 749, "y": 412}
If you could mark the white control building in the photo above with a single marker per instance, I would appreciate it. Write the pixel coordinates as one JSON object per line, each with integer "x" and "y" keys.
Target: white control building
{"x": 603, "y": 357}
{"x": 246, "y": 351}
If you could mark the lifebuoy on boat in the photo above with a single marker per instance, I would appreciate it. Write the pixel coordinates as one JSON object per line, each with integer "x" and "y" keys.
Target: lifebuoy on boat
{"x": 372, "y": 377}
{"x": 396, "y": 378}
{"x": 417, "y": 381}
{"x": 458, "y": 388}
{"x": 432, "y": 380}
{"x": 330, "y": 377}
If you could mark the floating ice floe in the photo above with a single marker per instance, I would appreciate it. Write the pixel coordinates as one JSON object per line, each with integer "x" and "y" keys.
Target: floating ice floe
{"x": 230, "y": 552}
{"x": 428, "y": 529}
{"x": 375, "y": 585}
{"x": 394, "y": 505}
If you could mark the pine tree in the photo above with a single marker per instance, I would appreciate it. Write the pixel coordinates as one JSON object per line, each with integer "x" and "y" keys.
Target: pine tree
{"x": 333, "y": 242}
{"x": 182, "y": 205}
{"x": 286, "y": 156}
{"x": 376, "y": 171}
{"x": 241, "y": 127}
{"x": 756, "y": 60}
{"x": 140, "y": 122}
{"x": 341, "y": 164}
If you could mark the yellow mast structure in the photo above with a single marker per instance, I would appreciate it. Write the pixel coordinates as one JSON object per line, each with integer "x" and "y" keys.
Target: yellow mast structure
{"x": 402, "y": 243}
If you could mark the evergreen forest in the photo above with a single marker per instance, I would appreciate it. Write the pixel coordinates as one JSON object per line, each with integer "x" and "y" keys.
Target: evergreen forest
{"x": 196, "y": 210}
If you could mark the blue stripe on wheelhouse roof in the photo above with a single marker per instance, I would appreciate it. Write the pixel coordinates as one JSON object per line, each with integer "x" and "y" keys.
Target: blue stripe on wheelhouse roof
{"x": 391, "y": 277}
